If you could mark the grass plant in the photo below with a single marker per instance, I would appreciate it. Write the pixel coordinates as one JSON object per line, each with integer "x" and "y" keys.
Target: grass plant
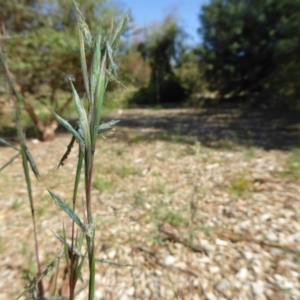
{"x": 27, "y": 159}
{"x": 96, "y": 76}
{"x": 240, "y": 184}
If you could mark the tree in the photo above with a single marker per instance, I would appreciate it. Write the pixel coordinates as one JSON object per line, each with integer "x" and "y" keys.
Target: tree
{"x": 43, "y": 50}
{"x": 162, "y": 47}
{"x": 252, "y": 48}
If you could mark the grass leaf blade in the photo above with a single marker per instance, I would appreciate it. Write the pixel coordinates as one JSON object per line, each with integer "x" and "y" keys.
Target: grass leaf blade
{"x": 32, "y": 164}
{"x": 62, "y": 240}
{"x": 111, "y": 59}
{"x": 68, "y": 126}
{"x": 118, "y": 30}
{"x": 44, "y": 273}
{"x": 3, "y": 141}
{"x": 9, "y": 162}
{"x": 67, "y": 209}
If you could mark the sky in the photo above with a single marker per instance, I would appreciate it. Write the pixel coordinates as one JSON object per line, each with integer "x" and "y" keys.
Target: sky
{"x": 146, "y": 12}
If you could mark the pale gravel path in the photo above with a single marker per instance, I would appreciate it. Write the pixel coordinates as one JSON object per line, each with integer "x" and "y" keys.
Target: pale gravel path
{"x": 250, "y": 242}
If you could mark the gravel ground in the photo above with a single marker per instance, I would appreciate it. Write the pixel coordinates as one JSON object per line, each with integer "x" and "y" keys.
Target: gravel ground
{"x": 197, "y": 221}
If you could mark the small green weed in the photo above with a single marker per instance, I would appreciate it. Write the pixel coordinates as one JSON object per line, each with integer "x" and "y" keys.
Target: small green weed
{"x": 250, "y": 154}
{"x": 41, "y": 210}
{"x": 135, "y": 139}
{"x": 207, "y": 230}
{"x": 293, "y": 166}
{"x": 175, "y": 218}
{"x": 159, "y": 187}
{"x": 17, "y": 204}
{"x": 120, "y": 151}
{"x": 139, "y": 200}
{"x": 240, "y": 184}
{"x": 125, "y": 171}
{"x": 101, "y": 184}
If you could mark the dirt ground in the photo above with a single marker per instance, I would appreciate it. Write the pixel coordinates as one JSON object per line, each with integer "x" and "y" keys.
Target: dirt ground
{"x": 205, "y": 205}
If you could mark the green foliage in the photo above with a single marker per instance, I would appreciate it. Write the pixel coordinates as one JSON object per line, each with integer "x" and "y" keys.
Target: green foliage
{"x": 162, "y": 49}
{"x": 292, "y": 166}
{"x": 175, "y": 218}
{"x": 240, "y": 184}
{"x": 101, "y": 184}
{"x": 169, "y": 91}
{"x": 44, "y": 51}
{"x": 251, "y": 48}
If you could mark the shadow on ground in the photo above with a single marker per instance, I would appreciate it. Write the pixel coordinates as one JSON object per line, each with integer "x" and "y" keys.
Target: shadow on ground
{"x": 213, "y": 127}
{"x": 222, "y": 127}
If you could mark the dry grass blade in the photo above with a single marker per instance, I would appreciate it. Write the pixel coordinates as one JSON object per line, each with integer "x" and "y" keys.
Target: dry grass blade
{"x": 69, "y": 149}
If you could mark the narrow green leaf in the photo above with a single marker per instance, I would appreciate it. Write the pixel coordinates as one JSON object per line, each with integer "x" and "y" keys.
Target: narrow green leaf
{"x": 83, "y": 27}
{"x": 83, "y": 124}
{"x": 101, "y": 85}
{"x": 88, "y": 229}
{"x": 67, "y": 209}
{"x": 107, "y": 126}
{"x": 84, "y": 68}
{"x": 85, "y": 38}
{"x": 110, "y": 57}
{"x": 32, "y": 164}
{"x": 77, "y": 265}
{"x": 110, "y": 262}
{"x": 64, "y": 242}
{"x": 9, "y": 162}
{"x": 83, "y": 120}
{"x": 66, "y": 250}
{"x": 117, "y": 33}
{"x": 44, "y": 273}
{"x": 95, "y": 67}
{"x": 111, "y": 77}
{"x": 68, "y": 126}
{"x": 3, "y": 141}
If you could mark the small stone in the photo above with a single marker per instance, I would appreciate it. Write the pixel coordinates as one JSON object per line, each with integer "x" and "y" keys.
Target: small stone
{"x": 272, "y": 237}
{"x": 294, "y": 238}
{"x": 211, "y": 296}
{"x": 147, "y": 206}
{"x": 130, "y": 291}
{"x": 223, "y": 285}
{"x": 214, "y": 269}
{"x": 169, "y": 260}
{"x": 111, "y": 254}
{"x": 258, "y": 288}
{"x": 35, "y": 141}
{"x": 242, "y": 274}
{"x": 265, "y": 217}
{"x": 248, "y": 255}
{"x": 283, "y": 282}
{"x": 221, "y": 242}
